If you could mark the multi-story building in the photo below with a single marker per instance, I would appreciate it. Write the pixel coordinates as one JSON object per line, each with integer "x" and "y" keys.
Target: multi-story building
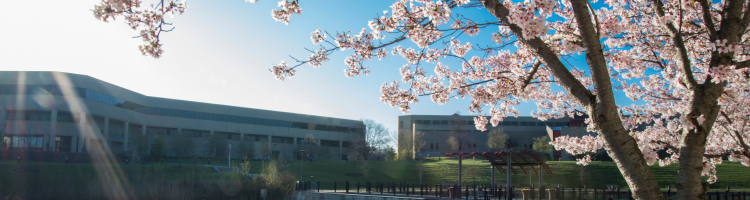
{"x": 63, "y": 112}
{"x": 521, "y": 131}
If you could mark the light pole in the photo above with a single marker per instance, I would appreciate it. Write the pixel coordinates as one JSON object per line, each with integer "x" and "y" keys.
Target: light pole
{"x": 301, "y": 164}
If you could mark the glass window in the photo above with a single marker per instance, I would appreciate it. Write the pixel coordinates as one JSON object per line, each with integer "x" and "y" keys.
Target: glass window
{"x": 514, "y": 123}
{"x": 558, "y": 124}
{"x": 444, "y": 122}
{"x": 63, "y": 116}
{"x": 524, "y": 123}
{"x": 436, "y": 122}
{"x": 506, "y": 123}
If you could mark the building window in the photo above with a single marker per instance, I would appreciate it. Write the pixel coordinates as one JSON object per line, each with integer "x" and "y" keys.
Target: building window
{"x": 28, "y": 115}
{"x": 514, "y": 123}
{"x": 195, "y": 133}
{"x": 329, "y": 143}
{"x": 284, "y": 140}
{"x": 63, "y": 143}
{"x": 444, "y": 122}
{"x": 160, "y": 131}
{"x": 436, "y": 145}
{"x": 400, "y": 124}
{"x": 524, "y": 123}
{"x": 346, "y": 144}
{"x": 431, "y": 145}
{"x": 475, "y": 145}
{"x": 33, "y": 142}
{"x": 64, "y": 116}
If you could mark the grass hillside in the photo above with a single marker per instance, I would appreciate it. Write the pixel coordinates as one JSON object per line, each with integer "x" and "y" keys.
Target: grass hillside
{"x": 598, "y": 174}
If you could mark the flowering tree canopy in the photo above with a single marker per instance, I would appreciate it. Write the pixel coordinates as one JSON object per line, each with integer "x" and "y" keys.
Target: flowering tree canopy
{"x": 687, "y": 60}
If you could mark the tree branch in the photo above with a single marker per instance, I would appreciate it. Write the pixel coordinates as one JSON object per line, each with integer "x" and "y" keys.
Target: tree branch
{"x": 549, "y": 58}
{"x": 531, "y": 74}
{"x": 706, "y": 9}
{"x": 745, "y": 19}
{"x": 679, "y": 43}
{"x": 745, "y": 147}
{"x": 742, "y": 64}
{"x": 721, "y": 155}
{"x": 669, "y": 146}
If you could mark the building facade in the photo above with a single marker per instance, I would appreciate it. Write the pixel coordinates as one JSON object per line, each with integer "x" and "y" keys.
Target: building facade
{"x": 521, "y": 131}
{"x": 63, "y": 112}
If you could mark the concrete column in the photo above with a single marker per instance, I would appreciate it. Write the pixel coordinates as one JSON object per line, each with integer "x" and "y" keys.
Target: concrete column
{"x": 295, "y": 145}
{"x": 125, "y": 136}
{"x": 413, "y": 134}
{"x": 81, "y": 132}
{"x": 270, "y": 146}
{"x": 242, "y": 137}
{"x": 52, "y": 131}
{"x": 143, "y": 132}
{"x": 179, "y": 131}
{"x": 3, "y": 112}
{"x": 106, "y": 134}
{"x": 341, "y": 148}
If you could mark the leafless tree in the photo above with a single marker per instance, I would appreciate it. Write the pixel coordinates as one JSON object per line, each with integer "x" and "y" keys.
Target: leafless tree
{"x": 376, "y": 137}
{"x": 457, "y": 136}
{"x": 310, "y": 146}
{"x": 246, "y": 149}
{"x": 263, "y": 148}
{"x": 497, "y": 139}
{"x": 182, "y": 145}
{"x": 409, "y": 144}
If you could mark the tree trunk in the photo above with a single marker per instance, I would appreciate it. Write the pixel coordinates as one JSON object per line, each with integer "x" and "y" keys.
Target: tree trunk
{"x": 601, "y": 107}
{"x": 693, "y": 141}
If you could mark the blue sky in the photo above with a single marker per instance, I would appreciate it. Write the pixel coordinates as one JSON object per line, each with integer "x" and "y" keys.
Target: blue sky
{"x": 219, "y": 52}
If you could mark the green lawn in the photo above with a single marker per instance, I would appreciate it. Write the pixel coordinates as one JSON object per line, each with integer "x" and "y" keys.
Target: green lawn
{"x": 598, "y": 174}
{"x": 28, "y": 175}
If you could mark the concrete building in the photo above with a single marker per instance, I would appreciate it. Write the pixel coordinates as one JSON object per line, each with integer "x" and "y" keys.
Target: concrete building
{"x": 521, "y": 131}
{"x": 63, "y": 112}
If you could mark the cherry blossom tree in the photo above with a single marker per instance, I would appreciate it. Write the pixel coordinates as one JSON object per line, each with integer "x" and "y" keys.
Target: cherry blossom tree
{"x": 685, "y": 61}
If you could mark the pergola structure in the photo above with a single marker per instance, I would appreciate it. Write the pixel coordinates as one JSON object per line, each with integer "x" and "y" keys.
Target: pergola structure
{"x": 507, "y": 161}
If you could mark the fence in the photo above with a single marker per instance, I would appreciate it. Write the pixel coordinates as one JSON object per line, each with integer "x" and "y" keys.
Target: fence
{"x": 498, "y": 192}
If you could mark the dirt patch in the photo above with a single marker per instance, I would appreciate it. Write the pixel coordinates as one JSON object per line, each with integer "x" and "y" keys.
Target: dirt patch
{"x": 353, "y": 175}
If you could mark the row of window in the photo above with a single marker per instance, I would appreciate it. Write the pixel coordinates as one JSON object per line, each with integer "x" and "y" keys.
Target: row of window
{"x": 114, "y": 101}
{"x": 160, "y": 131}
{"x": 229, "y": 136}
{"x": 329, "y": 143}
{"x": 33, "y": 142}
{"x": 282, "y": 140}
{"x": 460, "y": 146}
{"x": 504, "y": 123}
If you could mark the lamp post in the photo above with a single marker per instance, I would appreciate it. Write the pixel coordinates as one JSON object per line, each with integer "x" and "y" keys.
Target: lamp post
{"x": 302, "y": 164}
